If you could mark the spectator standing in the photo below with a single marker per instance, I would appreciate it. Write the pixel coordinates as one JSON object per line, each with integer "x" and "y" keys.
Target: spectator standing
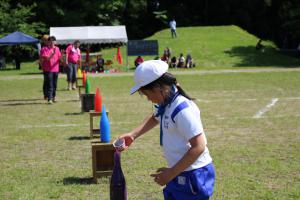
{"x": 44, "y": 43}
{"x": 73, "y": 58}
{"x": 50, "y": 56}
{"x": 172, "y": 25}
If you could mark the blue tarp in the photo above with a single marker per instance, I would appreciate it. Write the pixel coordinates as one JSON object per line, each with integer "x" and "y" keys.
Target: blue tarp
{"x": 18, "y": 38}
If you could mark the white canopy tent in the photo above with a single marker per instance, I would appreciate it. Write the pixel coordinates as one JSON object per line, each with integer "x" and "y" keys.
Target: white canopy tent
{"x": 90, "y": 34}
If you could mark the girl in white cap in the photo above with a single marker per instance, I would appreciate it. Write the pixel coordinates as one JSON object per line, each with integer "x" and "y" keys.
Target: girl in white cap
{"x": 190, "y": 173}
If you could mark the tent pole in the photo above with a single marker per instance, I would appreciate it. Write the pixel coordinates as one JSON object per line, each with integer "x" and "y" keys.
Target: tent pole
{"x": 127, "y": 58}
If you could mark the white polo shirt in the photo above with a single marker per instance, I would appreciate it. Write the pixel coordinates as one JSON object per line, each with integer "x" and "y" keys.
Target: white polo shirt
{"x": 179, "y": 129}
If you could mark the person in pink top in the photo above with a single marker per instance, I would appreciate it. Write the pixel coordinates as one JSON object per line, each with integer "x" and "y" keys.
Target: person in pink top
{"x": 50, "y": 56}
{"x": 73, "y": 57}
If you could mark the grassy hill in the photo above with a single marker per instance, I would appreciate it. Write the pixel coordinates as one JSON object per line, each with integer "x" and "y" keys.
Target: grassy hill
{"x": 212, "y": 47}
{"x": 218, "y": 47}
{"x": 222, "y": 47}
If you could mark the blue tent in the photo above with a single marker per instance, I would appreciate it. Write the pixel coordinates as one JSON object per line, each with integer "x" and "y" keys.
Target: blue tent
{"x": 18, "y": 38}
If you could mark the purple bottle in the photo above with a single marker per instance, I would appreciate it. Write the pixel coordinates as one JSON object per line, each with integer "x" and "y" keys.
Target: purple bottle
{"x": 117, "y": 181}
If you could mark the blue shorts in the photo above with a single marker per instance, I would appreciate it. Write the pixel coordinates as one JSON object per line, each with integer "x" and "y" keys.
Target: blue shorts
{"x": 196, "y": 184}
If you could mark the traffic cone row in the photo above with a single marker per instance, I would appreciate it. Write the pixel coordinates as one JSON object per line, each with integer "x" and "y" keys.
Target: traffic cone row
{"x": 98, "y": 107}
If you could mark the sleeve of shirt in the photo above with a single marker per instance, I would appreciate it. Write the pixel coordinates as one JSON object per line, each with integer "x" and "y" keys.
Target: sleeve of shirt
{"x": 188, "y": 123}
{"x": 43, "y": 52}
{"x": 68, "y": 49}
{"x": 58, "y": 52}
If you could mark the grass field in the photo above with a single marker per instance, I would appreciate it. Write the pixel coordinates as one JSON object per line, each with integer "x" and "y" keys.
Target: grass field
{"x": 251, "y": 121}
{"x": 250, "y": 108}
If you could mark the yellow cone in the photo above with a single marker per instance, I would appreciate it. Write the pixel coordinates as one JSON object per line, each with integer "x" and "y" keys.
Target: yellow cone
{"x": 79, "y": 74}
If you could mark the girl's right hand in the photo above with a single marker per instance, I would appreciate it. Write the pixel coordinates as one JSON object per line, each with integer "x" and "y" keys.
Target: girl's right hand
{"x": 128, "y": 140}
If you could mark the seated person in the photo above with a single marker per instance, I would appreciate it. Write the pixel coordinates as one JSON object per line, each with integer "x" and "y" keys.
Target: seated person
{"x": 189, "y": 61}
{"x": 100, "y": 63}
{"x": 173, "y": 62}
{"x": 165, "y": 58}
{"x": 108, "y": 65}
{"x": 181, "y": 61}
{"x": 138, "y": 61}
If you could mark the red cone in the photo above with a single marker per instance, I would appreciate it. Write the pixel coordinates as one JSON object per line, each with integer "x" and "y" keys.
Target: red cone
{"x": 119, "y": 56}
{"x": 98, "y": 101}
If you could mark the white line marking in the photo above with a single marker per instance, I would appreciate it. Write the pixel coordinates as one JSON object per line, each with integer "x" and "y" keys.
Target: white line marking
{"x": 215, "y": 100}
{"x": 50, "y": 125}
{"x": 265, "y": 109}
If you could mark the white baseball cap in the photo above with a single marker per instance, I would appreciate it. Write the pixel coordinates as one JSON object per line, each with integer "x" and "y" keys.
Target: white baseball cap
{"x": 148, "y": 72}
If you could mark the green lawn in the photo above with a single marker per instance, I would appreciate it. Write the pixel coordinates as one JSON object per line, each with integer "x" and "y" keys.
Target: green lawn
{"x": 251, "y": 121}
{"x": 45, "y": 152}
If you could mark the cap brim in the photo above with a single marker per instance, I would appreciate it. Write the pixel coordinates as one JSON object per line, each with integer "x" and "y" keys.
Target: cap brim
{"x": 134, "y": 89}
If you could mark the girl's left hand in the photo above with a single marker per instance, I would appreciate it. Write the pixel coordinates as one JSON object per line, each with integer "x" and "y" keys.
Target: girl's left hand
{"x": 163, "y": 176}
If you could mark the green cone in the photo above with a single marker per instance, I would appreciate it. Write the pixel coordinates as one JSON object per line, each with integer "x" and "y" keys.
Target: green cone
{"x": 87, "y": 86}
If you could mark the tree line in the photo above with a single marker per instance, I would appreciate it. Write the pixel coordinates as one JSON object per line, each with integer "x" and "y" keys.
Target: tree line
{"x": 276, "y": 20}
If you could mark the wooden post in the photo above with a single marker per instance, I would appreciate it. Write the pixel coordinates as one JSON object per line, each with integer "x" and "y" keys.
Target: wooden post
{"x": 77, "y": 82}
{"x": 102, "y": 159}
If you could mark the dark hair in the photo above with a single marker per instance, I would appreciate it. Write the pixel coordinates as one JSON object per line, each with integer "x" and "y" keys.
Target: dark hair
{"x": 52, "y": 38}
{"x": 77, "y": 42}
{"x": 169, "y": 80}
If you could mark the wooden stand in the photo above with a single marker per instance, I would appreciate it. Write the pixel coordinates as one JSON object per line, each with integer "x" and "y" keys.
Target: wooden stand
{"x": 94, "y": 132}
{"x": 102, "y": 159}
{"x": 77, "y": 82}
{"x": 81, "y": 90}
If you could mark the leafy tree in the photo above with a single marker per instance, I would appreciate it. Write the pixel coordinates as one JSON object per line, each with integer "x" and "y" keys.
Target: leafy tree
{"x": 19, "y": 18}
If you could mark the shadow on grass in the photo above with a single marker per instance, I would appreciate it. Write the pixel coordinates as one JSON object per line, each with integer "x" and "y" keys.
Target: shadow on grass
{"x": 74, "y": 113}
{"x": 268, "y": 57}
{"x": 10, "y": 100}
{"x": 78, "y": 181}
{"x": 131, "y": 68}
{"x": 63, "y": 89}
{"x": 22, "y": 103}
{"x": 9, "y": 69}
{"x": 73, "y": 100}
{"x": 79, "y": 138}
{"x": 31, "y": 73}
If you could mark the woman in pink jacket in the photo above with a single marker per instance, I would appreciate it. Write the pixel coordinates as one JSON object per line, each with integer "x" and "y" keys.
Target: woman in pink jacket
{"x": 50, "y": 56}
{"x": 73, "y": 55}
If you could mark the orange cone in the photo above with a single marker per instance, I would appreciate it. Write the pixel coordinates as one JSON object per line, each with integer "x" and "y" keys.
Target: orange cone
{"x": 98, "y": 101}
{"x": 83, "y": 78}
